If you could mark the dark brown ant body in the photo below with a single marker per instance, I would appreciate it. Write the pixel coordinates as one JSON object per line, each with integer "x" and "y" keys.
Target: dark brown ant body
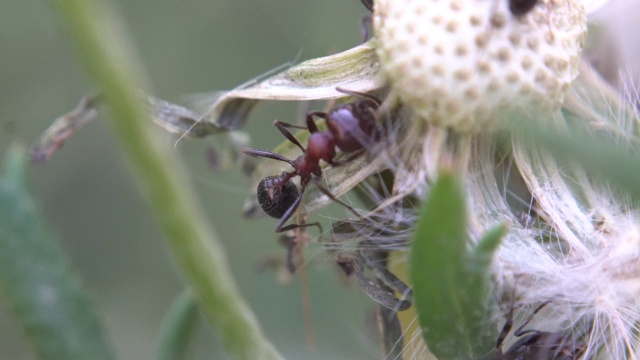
{"x": 521, "y": 7}
{"x": 351, "y": 127}
{"x": 366, "y": 20}
{"x": 535, "y": 344}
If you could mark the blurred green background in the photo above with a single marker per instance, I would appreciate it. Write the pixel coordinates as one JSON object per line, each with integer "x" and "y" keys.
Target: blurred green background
{"x": 87, "y": 195}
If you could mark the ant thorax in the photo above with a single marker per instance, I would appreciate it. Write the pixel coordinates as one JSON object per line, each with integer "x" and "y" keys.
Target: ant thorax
{"x": 321, "y": 146}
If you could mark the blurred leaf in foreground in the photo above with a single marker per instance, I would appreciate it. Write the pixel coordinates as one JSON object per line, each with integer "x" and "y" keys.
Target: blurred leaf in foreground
{"x": 178, "y": 327}
{"x": 36, "y": 280}
{"x": 451, "y": 282}
{"x": 616, "y": 161}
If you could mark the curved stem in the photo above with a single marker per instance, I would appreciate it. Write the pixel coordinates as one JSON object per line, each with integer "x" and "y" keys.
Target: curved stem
{"x": 111, "y": 62}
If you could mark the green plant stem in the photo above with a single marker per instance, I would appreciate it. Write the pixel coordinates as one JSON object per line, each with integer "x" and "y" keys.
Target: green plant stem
{"x": 109, "y": 59}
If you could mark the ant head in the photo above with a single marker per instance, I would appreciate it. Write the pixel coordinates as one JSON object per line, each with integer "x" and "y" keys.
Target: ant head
{"x": 521, "y": 7}
{"x": 276, "y": 195}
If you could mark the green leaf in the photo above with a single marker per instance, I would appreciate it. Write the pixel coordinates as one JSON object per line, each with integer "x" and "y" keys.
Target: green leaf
{"x": 36, "y": 280}
{"x": 481, "y": 255}
{"x": 597, "y": 155}
{"x": 450, "y": 283}
{"x": 178, "y": 327}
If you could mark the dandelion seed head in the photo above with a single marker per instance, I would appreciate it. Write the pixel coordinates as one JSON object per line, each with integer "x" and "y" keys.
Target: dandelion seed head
{"x": 579, "y": 250}
{"x": 469, "y": 64}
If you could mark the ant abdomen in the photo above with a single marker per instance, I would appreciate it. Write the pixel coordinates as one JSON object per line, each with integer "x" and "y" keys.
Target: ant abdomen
{"x": 276, "y": 198}
{"x": 349, "y": 131}
{"x": 353, "y": 125}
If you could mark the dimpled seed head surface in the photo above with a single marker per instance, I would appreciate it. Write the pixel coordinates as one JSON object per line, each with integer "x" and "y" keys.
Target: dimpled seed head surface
{"x": 469, "y": 64}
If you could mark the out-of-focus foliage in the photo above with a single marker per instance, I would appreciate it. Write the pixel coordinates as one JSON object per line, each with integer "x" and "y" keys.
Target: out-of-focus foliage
{"x": 36, "y": 280}
{"x": 450, "y": 282}
{"x": 87, "y": 195}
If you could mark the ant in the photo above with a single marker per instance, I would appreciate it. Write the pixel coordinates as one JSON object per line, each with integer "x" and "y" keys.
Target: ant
{"x": 368, "y": 4}
{"x": 366, "y": 20}
{"x": 351, "y": 127}
{"x": 535, "y": 344}
{"x": 521, "y": 7}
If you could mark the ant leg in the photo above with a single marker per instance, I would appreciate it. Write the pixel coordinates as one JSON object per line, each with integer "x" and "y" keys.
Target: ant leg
{"x": 289, "y": 125}
{"x": 281, "y": 126}
{"x": 503, "y": 334}
{"x": 519, "y": 331}
{"x": 290, "y": 263}
{"x": 392, "y": 335}
{"x": 375, "y": 99}
{"x": 365, "y": 31}
{"x": 334, "y": 198}
{"x": 368, "y": 4}
{"x": 289, "y": 242}
{"x": 372, "y": 261}
{"x": 293, "y": 243}
{"x": 311, "y": 125}
{"x": 267, "y": 154}
{"x": 290, "y": 211}
{"x": 377, "y": 291}
{"x": 297, "y": 226}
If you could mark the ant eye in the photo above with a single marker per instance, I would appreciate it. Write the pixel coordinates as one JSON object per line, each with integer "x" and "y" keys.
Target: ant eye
{"x": 276, "y": 198}
{"x": 521, "y": 7}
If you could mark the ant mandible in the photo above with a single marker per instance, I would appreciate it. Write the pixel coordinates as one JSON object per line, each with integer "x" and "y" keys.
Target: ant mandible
{"x": 351, "y": 127}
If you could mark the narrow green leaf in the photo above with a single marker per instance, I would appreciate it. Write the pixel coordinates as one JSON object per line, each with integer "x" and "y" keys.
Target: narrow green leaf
{"x": 178, "y": 327}
{"x": 448, "y": 296}
{"x": 36, "y": 280}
